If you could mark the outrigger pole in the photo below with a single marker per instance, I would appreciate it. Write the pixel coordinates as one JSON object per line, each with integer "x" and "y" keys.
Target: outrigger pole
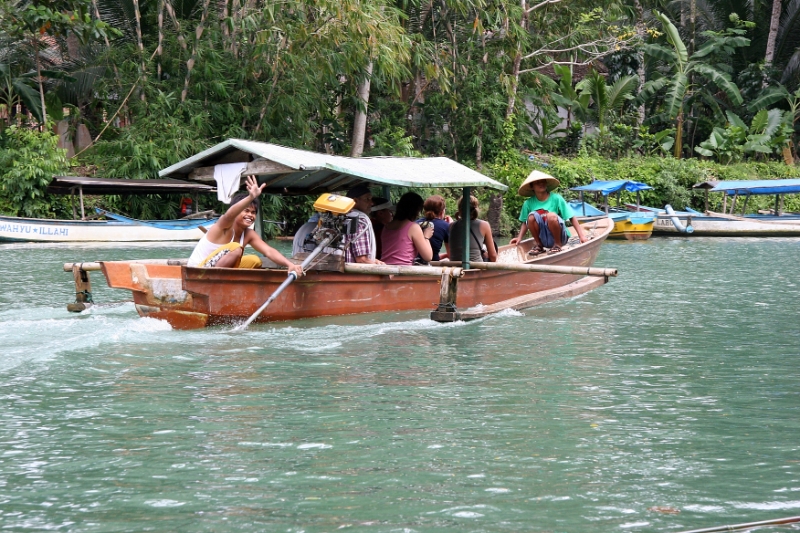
{"x": 747, "y": 525}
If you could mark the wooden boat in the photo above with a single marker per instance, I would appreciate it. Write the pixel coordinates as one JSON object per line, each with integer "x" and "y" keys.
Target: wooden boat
{"x": 726, "y": 224}
{"x": 116, "y": 228}
{"x": 190, "y": 298}
{"x": 632, "y": 225}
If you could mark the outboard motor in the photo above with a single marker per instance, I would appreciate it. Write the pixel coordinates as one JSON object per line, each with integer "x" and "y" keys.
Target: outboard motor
{"x": 334, "y": 217}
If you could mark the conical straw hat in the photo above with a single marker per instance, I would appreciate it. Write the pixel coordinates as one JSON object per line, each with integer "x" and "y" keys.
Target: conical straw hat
{"x": 526, "y": 189}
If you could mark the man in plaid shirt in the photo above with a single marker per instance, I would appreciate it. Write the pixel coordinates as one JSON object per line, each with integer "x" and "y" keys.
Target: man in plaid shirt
{"x": 361, "y": 248}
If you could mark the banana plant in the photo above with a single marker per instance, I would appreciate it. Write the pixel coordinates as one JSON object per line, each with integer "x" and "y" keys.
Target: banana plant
{"x": 768, "y": 133}
{"x": 690, "y": 72}
{"x": 567, "y": 97}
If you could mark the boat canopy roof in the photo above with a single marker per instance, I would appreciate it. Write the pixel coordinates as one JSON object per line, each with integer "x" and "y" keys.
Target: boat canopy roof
{"x": 70, "y": 184}
{"x": 610, "y": 187}
{"x": 748, "y": 187}
{"x": 293, "y": 171}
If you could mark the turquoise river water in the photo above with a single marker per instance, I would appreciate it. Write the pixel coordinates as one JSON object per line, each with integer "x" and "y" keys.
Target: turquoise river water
{"x": 667, "y": 400}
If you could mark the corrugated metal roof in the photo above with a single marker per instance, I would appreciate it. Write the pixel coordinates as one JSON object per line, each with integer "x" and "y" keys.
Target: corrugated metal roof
{"x": 70, "y": 184}
{"x": 311, "y": 172}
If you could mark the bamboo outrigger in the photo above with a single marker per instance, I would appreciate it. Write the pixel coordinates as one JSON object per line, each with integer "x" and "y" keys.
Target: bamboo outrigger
{"x": 198, "y": 297}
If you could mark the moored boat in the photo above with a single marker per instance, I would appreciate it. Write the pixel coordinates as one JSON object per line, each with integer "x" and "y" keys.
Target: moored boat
{"x": 190, "y": 297}
{"x": 116, "y": 228}
{"x": 632, "y": 225}
{"x": 727, "y": 224}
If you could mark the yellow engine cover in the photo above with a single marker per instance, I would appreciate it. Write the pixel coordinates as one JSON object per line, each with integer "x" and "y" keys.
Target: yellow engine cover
{"x": 333, "y": 203}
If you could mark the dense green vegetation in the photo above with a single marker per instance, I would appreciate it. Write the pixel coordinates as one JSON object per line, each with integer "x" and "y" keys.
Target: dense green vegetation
{"x": 668, "y": 93}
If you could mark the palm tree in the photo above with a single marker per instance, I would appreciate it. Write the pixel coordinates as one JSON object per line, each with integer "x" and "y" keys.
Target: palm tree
{"x": 608, "y": 99}
{"x": 688, "y": 74}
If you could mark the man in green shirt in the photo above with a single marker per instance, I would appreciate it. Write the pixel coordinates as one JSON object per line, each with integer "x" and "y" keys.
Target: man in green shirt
{"x": 544, "y": 214}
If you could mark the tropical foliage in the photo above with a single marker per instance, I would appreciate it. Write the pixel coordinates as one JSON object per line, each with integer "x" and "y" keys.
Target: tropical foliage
{"x": 477, "y": 80}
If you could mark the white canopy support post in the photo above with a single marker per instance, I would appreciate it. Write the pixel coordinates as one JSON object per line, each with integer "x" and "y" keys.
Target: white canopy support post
{"x": 72, "y": 203}
{"x": 465, "y": 208}
{"x": 83, "y": 214}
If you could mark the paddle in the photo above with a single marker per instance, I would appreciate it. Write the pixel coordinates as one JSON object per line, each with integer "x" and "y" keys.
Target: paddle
{"x": 289, "y": 279}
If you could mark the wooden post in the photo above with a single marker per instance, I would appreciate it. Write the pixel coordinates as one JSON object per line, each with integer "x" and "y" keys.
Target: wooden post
{"x": 706, "y": 200}
{"x": 72, "y": 203}
{"x": 260, "y": 220}
{"x": 777, "y": 200}
{"x": 465, "y": 209}
{"x": 744, "y": 207}
{"x": 83, "y": 290}
{"x": 83, "y": 214}
{"x": 724, "y": 202}
{"x": 733, "y": 202}
{"x": 447, "y": 310}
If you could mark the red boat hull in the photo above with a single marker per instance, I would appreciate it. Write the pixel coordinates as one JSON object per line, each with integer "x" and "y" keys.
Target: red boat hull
{"x": 190, "y": 298}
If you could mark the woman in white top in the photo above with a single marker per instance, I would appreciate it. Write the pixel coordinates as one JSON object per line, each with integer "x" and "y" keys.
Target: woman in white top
{"x": 223, "y": 245}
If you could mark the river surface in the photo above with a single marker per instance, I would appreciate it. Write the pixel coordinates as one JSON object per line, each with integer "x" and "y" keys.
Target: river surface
{"x": 666, "y": 400}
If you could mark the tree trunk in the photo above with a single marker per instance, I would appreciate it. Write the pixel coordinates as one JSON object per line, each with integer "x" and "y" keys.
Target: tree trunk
{"x": 139, "y": 43}
{"x": 494, "y": 212}
{"x": 360, "y": 122}
{"x": 39, "y": 77}
{"x": 774, "y": 23}
{"x": 512, "y": 98}
{"x": 479, "y": 149}
{"x": 198, "y": 32}
{"x": 641, "y": 31}
{"x": 679, "y": 136}
{"x": 177, "y": 24}
{"x": 105, "y": 37}
{"x": 160, "y": 48}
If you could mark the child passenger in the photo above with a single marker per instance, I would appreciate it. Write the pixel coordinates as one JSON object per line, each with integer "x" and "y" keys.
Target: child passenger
{"x": 544, "y": 214}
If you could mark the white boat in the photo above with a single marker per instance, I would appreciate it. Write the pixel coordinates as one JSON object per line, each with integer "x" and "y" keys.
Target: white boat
{"x": 116, "y": 228}
{"x": 709, "y": 223}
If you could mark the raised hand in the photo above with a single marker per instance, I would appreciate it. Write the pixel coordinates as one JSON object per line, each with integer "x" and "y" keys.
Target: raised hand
{"x": 254, "y": 188}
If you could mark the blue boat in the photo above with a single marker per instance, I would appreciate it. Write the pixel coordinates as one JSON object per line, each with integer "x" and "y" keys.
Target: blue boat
{"x": 116, "y": 228}
{"x": 629, "y": 225}
{"x": 767, "y": 223}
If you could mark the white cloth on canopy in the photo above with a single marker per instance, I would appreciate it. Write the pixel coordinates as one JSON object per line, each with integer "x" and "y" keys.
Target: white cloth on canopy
{"x": 228, "y": 177}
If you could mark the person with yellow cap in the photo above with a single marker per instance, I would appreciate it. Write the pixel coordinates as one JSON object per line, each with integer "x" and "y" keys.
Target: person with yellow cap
{"x": 544, "y": 214}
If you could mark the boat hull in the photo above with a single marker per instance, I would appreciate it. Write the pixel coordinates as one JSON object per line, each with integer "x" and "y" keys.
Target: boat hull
{"x": 632, "y": 230}
{"x": 711, "y": 226}
{"x": 191, "y": 298}
{"x": 15, "y": 229}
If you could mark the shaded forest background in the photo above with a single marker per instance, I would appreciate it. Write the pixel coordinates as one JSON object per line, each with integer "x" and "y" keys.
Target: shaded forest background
{"x": 669, "y": 93}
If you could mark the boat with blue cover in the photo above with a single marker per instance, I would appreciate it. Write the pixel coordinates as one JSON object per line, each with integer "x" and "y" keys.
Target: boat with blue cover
{"x": 765, "y": 223}
{"x": 628, "y": 224}
{"x": 116, "y": 228}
